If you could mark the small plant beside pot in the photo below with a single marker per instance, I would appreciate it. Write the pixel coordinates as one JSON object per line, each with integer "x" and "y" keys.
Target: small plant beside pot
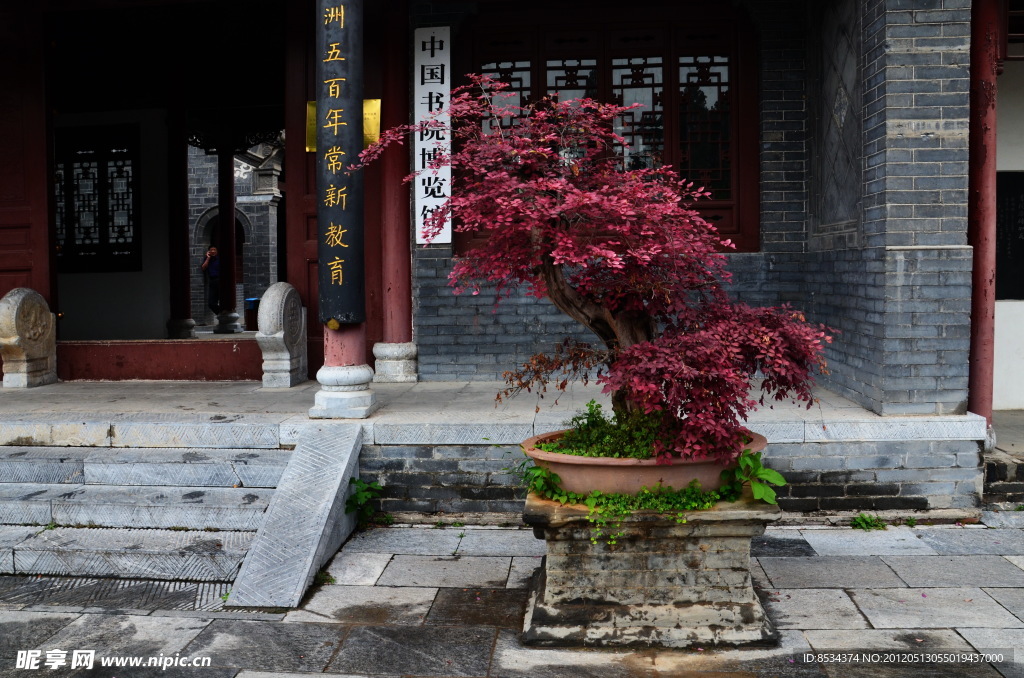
{"x": 563, "y": 208}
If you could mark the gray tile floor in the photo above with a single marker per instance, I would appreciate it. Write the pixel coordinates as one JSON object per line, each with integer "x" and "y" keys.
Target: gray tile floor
{"x": 419, "y": 601}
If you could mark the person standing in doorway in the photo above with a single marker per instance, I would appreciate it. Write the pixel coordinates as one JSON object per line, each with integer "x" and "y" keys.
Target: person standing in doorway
{"x": 211, "y": 268}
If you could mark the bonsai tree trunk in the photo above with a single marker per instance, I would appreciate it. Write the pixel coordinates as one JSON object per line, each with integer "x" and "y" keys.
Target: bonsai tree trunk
{"x": 618, "y": 331}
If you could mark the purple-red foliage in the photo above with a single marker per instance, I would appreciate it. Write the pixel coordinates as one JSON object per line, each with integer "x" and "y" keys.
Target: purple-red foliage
{"x": 623, "y": 252}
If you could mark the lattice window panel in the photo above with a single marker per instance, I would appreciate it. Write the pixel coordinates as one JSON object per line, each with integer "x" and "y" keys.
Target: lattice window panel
{"x": 705, "y": 136}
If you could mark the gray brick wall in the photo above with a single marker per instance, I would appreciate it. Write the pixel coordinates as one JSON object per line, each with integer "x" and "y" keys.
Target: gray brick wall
{"x": 472, "y": 337}
{"x": 847, "y": 476}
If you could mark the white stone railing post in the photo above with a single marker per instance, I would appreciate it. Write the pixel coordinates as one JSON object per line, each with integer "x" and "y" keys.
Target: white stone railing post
{"x": 282, "y": 337}
{"x": 28, "y": 339}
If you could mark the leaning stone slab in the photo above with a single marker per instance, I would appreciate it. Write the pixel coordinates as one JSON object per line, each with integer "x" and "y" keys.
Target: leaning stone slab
{"x": 28, "y": 339}
{"x": 663, "y": 583}
{"x": 282, "y": 337}
{"x": 306, "y": 521}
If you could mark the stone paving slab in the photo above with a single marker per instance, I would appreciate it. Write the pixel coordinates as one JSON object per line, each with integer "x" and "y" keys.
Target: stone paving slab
{"x": 892, "y": 541}
{"x": 126, "y": 634}
{"x": 902, "y": 640}
{"x": 62, "y": 430}
{"x": 366, "y": 605}
{"x": 516, "y": 542}
{"x": 1006, "y": 641}
{"x": 1014, "y": 519}
{"x": 154, "y": 554}
{"x": 405, "y": 541}
{"x": 425, "y": 651}
{"x": 1010, "y": 598}
{"x": 780, "y": 544}
{"x": 357, "y": 569}
{"x": 975, "y": 541}
{"x": 813, "y": 609}
{"x": 267, "y": 646}
{"x": 478, "y": 607}
{"x": 941, "y": 571}
{"x": 914, "y": 608}
{"x": 437, "y": 571}
{"x": 25, "y": 630}
{"x": 522, "y": 570}
{"x": 829, "y": 572}
{"x": 19, "y": 464}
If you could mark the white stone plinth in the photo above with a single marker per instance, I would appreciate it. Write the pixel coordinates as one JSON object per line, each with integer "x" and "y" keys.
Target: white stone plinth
{"x": 344, "y": 393}
{"x": 395, "y": 363}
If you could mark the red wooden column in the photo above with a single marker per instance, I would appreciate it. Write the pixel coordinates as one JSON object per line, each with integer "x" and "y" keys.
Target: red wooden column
{"x": 227, "y": 319}
{"x": 987, "y": 18}
{"x": 180, "y": 325}
{"x": 396, "y": 355}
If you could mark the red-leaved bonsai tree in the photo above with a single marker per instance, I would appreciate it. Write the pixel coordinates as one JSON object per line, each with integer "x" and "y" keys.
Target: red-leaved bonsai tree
{"x": 623, "y": 252}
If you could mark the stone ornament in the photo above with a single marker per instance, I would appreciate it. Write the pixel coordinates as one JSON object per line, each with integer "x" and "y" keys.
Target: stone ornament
{"x": 28, "y": 339}
{"x": 282, "y": 337}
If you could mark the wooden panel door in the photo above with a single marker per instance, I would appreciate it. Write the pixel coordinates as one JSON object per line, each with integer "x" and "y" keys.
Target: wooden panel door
{"x": 24, "y": 240}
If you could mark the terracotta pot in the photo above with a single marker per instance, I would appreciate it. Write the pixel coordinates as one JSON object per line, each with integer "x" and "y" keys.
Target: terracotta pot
{"x": 607, "y": 474}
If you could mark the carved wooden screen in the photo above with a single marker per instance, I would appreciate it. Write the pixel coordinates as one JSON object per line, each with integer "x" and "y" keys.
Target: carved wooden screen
{"x": 696, "y": 81}
{"x": 96, "y": 201}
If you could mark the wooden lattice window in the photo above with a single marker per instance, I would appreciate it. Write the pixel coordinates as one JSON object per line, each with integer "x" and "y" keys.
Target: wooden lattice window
{"x": 96, "y": 198}
{"x": 695, "y": 77}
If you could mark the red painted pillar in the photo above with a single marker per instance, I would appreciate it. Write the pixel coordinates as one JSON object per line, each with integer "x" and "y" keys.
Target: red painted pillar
{"x": 396, "y": 355}
{"x": 987, "y": 18}
{"x": 180, "y": 325}
{"x": 227, "y": 319}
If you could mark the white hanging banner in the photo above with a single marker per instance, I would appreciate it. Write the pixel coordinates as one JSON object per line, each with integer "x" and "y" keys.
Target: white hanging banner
{"x": 432, "y": 65}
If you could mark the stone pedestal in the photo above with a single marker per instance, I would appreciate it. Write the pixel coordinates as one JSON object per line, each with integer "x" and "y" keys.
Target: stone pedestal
{"x": 181, "y": 328}
{"x": 344, "y": 393}
{"x": 395, "y": 363}
{"x": 662, "y": 584}
{"x": 28, "y": 339}
{"x": 282, "y": 337}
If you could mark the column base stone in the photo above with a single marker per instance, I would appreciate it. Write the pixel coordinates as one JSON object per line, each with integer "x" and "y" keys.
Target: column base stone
{"x": 344, "y": 393}
{"x": 395, "y": 363}
{"x": 227, "y": 323}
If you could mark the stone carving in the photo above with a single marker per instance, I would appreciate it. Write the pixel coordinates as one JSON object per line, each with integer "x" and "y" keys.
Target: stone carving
{"x": 282, "y": 337}
{"x": 28, "y": 339}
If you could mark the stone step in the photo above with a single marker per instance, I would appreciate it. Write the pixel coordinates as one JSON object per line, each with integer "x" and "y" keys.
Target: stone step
{"x": 124, "y": 553}
{"x": 181, "y": 467}
{"x": 194, "y": 508}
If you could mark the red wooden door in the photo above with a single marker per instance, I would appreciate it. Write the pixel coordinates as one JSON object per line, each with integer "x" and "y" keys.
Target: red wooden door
{"x": 24, "y": 230}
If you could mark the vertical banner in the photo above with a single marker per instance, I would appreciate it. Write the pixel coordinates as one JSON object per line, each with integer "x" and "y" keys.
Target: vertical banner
{"x": 432, "y": 65}
{"x": 339, "y": 139}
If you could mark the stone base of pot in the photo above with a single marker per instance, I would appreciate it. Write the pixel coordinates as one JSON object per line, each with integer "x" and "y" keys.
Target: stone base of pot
{"x": 661, "y": 584}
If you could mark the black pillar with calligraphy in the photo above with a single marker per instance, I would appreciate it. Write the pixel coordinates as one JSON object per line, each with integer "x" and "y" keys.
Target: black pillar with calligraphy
{"x": 339, "y": 139}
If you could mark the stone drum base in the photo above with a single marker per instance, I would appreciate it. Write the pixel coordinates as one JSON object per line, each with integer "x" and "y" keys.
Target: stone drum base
{"x": 662, "y": 584}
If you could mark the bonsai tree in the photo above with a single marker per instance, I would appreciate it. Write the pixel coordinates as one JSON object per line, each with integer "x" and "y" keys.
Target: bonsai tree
{"x": 622, "y": 251}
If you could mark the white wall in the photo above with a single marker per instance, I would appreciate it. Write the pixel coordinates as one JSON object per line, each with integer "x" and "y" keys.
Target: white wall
{"x": 1008, "y": 387}
{"x": 129, "y": 305}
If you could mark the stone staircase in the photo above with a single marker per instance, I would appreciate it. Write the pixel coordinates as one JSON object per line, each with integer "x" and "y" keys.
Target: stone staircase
{"x": 253, "y": 502}
{"x": 141, "y": 512}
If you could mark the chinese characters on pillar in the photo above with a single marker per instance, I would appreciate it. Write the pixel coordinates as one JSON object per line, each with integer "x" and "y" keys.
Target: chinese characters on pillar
{"x": 339, "y": 76}
{"x": 431, "y": 92}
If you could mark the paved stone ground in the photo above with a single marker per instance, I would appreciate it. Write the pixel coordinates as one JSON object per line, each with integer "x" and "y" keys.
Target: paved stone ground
{"x": 422, "y": 601}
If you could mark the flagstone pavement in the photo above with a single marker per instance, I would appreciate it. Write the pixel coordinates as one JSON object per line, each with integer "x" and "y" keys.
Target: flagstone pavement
{"x": 448, "y": 600}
